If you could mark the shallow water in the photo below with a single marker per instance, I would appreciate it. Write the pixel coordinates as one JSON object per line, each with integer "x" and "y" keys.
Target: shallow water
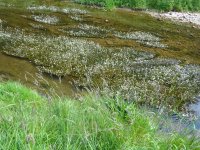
{"x": 118, "y": 52}
{"x": 16, "y": 69}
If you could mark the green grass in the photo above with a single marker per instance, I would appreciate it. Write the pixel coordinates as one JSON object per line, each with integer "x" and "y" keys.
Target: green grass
{"x": 29, "y": 121}
{"x": 162, "y": 5}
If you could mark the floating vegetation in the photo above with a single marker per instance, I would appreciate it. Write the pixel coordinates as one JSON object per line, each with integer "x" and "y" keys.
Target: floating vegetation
{"x": 36, "y": 26}
{"x": 85, "y": 30}
{"x": 76, "y": 18}
{"x": 57, "y": 9}
{"x": 142, "y": 37}
{"x": 46, "y": 19}
{"x": 44, "y": 8}
{"x": 136, "y": 75}
{"x": 4, "y": 35}
{"x": 74, "y": 11}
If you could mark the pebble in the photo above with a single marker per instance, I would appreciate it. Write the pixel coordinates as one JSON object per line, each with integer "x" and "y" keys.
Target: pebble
{"x": 192, "y": 18}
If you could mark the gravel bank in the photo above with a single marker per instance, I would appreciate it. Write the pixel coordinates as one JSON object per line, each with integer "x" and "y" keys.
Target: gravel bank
{"x": 182, "y": 17}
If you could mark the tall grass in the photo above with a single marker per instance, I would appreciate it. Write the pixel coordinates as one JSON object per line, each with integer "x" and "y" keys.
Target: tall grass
{"x": 29, "y": 121}
{"x": 162, "y": 5}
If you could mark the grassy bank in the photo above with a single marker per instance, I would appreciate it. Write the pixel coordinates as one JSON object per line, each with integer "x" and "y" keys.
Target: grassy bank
{"x": 28, "y": 121}
{"x": 163, "y": 5}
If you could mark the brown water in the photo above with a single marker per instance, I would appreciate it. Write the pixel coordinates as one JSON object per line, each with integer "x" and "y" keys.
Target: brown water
{"x": 17, "y": 69}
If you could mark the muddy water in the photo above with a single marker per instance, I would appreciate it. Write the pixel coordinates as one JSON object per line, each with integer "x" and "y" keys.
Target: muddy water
{"x": 119, "y": 52}
{"x": 17, "y": 69}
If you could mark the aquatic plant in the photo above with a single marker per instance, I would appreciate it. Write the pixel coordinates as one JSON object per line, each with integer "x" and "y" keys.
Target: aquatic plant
{"x": 46, "y": 19}
{"x": 74, "y": 11}
{"x": 44, "y": 8}
{"x": 142, "y": 37}
{"x": 76, "y": 18}
{"x": 136, "y": 75}
{"x": 85, "y": 30}
{"x": 57, "y": 9}
{"x": 36, "y": 26}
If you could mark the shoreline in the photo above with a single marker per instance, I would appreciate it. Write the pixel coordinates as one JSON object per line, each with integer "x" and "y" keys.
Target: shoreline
{"x": 184, "y": 18}
{"x": 190, "y": 18}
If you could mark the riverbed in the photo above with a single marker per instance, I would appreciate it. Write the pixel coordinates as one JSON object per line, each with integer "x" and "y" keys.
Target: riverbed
{"x": 62, "y": 47}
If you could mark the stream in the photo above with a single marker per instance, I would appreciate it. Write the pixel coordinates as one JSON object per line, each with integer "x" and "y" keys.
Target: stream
{"x": 59, "y": 48}
{"x": 16, "y": 69}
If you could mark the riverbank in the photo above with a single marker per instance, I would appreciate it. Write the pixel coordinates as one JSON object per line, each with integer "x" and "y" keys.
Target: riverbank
{"x": 31, "y": 121}
{"x": 179, "y": 17}
{"x": 179, "y": 11}
{"x": 183, "y": 18}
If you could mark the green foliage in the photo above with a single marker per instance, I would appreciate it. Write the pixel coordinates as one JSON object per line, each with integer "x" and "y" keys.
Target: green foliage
{"x": 28, "y": 121}
{"x": 163, "y": 5}
{"x": 109, "y": 4}
{"x": 17, "y": 93}
{"x": 196, "y": 5}
{"x": 139, "y": 4}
